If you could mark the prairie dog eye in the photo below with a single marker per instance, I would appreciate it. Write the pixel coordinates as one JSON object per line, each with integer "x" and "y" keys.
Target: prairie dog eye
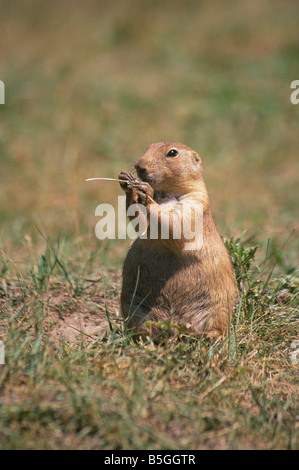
{"x": 172, "y": 153}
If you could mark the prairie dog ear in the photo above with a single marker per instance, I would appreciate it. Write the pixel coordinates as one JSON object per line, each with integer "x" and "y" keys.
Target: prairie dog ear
{"x": 196, "y": 159}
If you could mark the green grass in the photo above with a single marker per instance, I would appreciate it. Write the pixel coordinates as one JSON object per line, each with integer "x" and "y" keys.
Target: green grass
{"x": 88, "y": 86}
{"x": 105, "y": 391}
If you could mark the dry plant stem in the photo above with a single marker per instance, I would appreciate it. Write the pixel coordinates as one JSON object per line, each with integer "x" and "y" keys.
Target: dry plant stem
{"x": 119, "y": 181}
{"x": 105, "y": 179}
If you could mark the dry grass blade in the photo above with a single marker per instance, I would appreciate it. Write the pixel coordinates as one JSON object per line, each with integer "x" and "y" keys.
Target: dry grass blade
{"x": 104, "y": 179}
{"x": 117, "y": 180}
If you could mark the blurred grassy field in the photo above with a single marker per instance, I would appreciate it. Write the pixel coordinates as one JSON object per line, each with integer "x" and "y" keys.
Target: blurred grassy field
{"x": 88, "y": 86}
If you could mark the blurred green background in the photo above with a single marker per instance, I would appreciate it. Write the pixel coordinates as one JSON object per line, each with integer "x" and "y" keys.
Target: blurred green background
{"x": 90, "y": 84}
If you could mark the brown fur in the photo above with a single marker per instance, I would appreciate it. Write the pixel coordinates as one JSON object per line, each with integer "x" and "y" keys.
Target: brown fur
{"x": 161, "y": 279}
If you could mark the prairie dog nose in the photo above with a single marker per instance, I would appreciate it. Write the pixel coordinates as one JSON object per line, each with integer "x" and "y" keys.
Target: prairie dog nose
{"x": 141, "y": 170}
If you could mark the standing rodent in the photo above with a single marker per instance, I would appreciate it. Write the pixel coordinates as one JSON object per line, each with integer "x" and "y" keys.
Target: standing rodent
{"x": 161, "y": 278}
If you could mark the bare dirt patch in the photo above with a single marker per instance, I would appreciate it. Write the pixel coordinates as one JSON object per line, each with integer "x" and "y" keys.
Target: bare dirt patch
{"x": 66, "y": 315}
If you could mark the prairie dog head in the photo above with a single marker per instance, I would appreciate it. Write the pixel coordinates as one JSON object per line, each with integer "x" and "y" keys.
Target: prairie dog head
{"x": 172, "y": 168}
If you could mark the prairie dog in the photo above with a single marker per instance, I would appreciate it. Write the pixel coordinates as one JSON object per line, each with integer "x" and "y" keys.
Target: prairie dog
{"x": 162, "y": 279}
